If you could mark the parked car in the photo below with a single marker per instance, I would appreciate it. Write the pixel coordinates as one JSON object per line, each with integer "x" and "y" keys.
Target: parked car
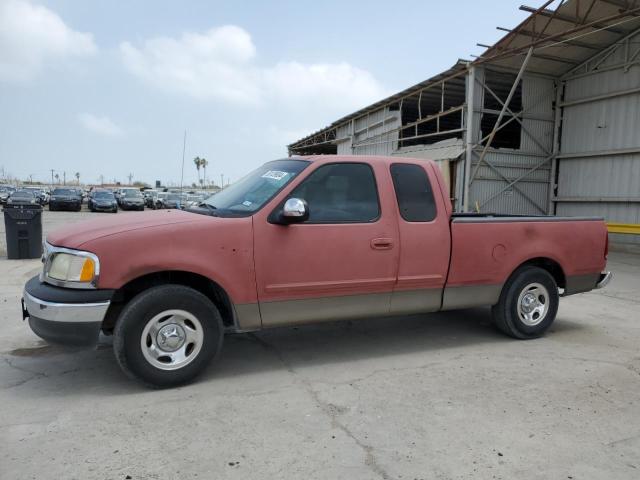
{"x": 297, "y": 241}
{"x": 131, "y": 199}
{"x": 150, "y": 198}
{"x": 38, "y": 193}
{"x": 173, "y": 200}
{"x": 103, "y": 201}
{"x": 23, "y": 197}
{"x": 5, "y": 191}
{"x": 65, "y": 199}
{"x": 161, "y": 197}
{"x": 193, "y": 200}
{"x": 120, "y": 193}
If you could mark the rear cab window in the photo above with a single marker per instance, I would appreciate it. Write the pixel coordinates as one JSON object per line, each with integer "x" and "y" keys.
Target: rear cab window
{"x": 413, "y": 192}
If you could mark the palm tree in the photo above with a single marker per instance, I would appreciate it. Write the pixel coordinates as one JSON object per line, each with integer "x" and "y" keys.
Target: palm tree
{"x": 57, "y": 178}
{"x": 198, "y": 163}
{"x": 204, "y": 163}
{"x": 78, "y": 177}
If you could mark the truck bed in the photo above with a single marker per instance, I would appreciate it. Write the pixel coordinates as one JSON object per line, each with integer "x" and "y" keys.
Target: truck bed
{"x": 486, "y": 248}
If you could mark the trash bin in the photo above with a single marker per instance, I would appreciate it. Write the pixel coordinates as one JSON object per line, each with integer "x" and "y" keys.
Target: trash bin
{"x": 23, "y": 227}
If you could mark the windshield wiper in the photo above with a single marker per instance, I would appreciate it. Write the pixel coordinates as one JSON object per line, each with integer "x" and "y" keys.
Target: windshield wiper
{"x": 211, "y": 210}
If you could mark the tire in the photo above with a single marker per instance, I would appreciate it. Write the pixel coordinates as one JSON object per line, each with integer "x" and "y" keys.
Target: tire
{"x": 174, "y": 309}
{"x": 528, "y": 303}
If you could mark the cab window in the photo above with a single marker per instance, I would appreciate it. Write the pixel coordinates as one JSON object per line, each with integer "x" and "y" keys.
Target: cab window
{"x": 340, "y": 193}
{"x": 413, "y": 192}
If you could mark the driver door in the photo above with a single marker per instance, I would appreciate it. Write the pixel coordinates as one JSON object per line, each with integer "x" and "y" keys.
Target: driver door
{"x": 341, "y": 262}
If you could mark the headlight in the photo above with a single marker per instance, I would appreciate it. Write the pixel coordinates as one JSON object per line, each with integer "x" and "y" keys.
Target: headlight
{"x": 70, "y": 268}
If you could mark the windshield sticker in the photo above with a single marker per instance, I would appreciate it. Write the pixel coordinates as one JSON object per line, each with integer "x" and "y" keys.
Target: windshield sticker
{"x": 275, "y": 174}
{"x": 247, "y": 203}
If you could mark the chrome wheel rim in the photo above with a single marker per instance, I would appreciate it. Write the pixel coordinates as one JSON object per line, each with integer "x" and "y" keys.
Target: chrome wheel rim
{"x": 172, "y": 339}
{"x": 533, "y": 304}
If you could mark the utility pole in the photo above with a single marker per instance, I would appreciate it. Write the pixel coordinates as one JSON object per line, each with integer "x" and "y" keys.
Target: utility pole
{"x": 221, "y": 180}
{"x": 184, "y": 146}
{"x": 52, "y": 176}
{"x": 130, "y": 177}
{"x": 101, "y": 180}
{"x": 64, "y": 178}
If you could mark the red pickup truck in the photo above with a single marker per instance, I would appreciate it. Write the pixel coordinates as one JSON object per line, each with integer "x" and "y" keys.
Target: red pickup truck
{"x": 300, "y": 240}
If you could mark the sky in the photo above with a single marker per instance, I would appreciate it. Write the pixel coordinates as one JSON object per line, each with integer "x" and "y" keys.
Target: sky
{"x": 108, "y": 88}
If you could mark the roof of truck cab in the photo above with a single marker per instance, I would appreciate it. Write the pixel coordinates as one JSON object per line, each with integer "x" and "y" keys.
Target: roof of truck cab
{"x": 373, "y": 159}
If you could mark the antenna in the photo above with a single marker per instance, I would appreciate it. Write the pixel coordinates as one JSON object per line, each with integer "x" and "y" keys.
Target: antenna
{"x": 184, "y": 146}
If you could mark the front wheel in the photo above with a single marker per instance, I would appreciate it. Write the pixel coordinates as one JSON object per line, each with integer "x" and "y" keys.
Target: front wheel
{"x": 528, "y": 303}
{"x": 167, "y": 335}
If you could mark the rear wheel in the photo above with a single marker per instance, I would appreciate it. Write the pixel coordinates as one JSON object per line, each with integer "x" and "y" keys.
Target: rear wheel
{"x": 167, "y": 335}
{"x": 528, "y": 303}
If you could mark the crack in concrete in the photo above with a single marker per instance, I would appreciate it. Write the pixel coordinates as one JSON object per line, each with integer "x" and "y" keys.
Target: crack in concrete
{"x": 617, "y": 297}
{"x": 328, "y": 409}
{"x": 34, "y": 375}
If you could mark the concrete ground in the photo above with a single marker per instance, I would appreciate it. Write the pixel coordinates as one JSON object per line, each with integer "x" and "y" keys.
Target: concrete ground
{"x": 421, "y": 397}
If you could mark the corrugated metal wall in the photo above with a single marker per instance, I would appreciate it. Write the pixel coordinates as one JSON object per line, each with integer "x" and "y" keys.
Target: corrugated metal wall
{"x": 596, "y": 178}
{"x": 377, "y": 133}
{"x": 530, "y": 194}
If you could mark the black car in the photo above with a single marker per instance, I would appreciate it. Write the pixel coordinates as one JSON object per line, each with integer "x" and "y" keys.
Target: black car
{"x": 132, "y": 200}
{"x": 22, "y": 197}
{"x": 103, "y": 201}
{"x": 65, "y": 199}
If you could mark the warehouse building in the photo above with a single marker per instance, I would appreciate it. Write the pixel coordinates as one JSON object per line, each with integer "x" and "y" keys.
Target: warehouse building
{"x": 546, "y": 121}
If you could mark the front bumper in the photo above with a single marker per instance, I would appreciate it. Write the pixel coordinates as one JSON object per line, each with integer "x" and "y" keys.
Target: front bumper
{"x": 65, "y": 204}
{"x": 105, "y": 208}
{"x": 132, "y": 206}
{"x": 65, "y": 315}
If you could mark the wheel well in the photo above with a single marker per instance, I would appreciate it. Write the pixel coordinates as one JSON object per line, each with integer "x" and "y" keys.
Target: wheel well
{"x": 204, "y": 285}
{"x": 551, "y": 266}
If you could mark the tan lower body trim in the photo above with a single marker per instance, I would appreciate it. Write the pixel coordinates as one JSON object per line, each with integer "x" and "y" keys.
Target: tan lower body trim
{"x": 470, "y": 296}
{"x": 345, "y": 307}
{"x": 247, "y": 317}
{"x": 416, "y": 301}
{"x": 292, "y": 312}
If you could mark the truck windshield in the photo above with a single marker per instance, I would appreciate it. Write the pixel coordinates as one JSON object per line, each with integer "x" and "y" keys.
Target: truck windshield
{"x": 249, "y": 194}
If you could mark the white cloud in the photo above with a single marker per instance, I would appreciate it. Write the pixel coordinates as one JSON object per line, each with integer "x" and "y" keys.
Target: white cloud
{"x": 32, "y": 35}
{"x": 100, "y": 125}
{"x": 213, "y": 65}
{"x": 219, "y": 64}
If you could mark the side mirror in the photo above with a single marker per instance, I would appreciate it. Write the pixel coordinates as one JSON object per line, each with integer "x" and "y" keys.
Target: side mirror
{"x": 294, "y": 210}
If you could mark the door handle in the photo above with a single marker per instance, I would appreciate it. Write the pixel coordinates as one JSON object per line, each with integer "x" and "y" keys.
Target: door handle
{"x": 382, "y": 243}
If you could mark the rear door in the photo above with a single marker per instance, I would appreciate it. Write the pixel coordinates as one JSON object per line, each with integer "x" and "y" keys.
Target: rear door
{"x": 342, "y": 262}
{"x": 424, "y": 235}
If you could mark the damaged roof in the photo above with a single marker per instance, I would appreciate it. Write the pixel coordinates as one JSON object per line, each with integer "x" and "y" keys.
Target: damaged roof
{"x": 562, "y": 38}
